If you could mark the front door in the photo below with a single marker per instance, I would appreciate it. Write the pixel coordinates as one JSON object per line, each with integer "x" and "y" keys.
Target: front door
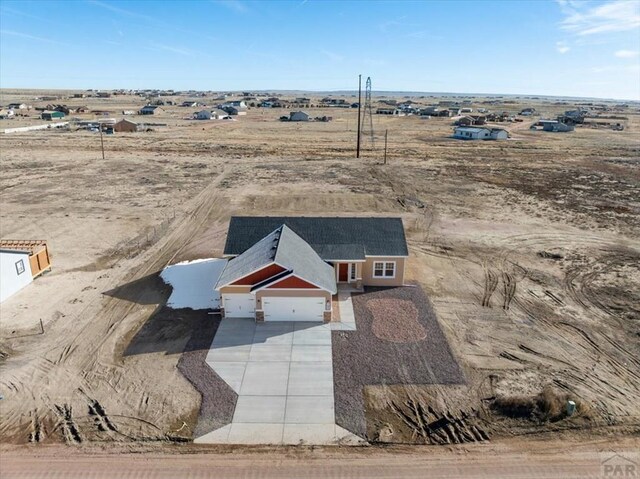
{"x": 343, "y": 272}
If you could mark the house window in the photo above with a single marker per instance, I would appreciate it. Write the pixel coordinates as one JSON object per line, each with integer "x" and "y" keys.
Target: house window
{"x": 384, "y": 269}
{"x": 353, "y": 272}
{"x": 20, "y": 266}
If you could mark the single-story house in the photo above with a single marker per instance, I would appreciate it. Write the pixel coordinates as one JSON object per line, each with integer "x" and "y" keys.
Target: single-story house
{"x": 528, "y": 111}
{"x": 480, "y": 133}
{"x": 238, "y": 104}
{"x": 4, "y": 114}
{"x": 150, "y": 110}
{"x": 16, "y": 106}
{"x": 288, "y": 268}
{"x": 189, "y": 103}
{"x": 211, "y": 115}
{"x": 555, "y": 126}
{"x": 299, "y": 116}
{"x": 125, "y": 126}
{"x": 232, "y": 110}
{"x": 203, "y": 115}
{"x": 470, "y": 120}
{"x": 21, "y": 262}
{"x": 51, "y": 115}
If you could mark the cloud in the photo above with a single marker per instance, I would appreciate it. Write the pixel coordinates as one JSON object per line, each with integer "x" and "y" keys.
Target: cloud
{"x": 562, "y": 47}
{"x": 384, "y": 27}
{"x": 12, "y": 11}
{"x": 121, "y": 11}
{"x": 614, "y": 16}
{"x": 31, "y": 37}
{"x": 235, "y": 5}
{"x": 626, "y": 53}
{"x": 171, "y": 49}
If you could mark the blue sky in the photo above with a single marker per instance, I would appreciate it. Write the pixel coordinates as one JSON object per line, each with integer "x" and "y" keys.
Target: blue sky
{"x": 545, "y": 47}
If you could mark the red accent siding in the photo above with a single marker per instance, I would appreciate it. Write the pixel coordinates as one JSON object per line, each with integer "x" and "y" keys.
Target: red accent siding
{"x": 292, "y": 282}
{"x": 259, "y": 276}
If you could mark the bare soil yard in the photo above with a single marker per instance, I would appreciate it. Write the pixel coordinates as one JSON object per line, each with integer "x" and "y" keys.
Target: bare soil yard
{"x": 527, "y": 249}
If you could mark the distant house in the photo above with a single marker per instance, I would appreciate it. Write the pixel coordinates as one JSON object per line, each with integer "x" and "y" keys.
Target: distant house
{"x": 16, "y": 106}
{"x": 63, "y": 108}
{"x": 189, "y": 104}
{"x": 299, "y": 116}
{"x": 232, "y": 110}
{"x": 51, "y": 115}
{"x": 4, "y": 114}
{"x": 150, "y": 110}
{"x": 466, "y": 110}
{"x": 528, "y": 111}
{"x": 479, "y": 133}
{"x": 240, "y": 104}
{"x": 203, "y": 115}
{"x": 125, "y": 126}
{"x": 573, "y": 117}
{"x": 21, "y": 262}
{"x": 103, "y": 94}
{"x": 434, "y": 111}
{"x": 216, "y": 114}
{"x": 387, "y": 111}
{"x": 555, "y": 126}
{"x": 471, "y": 120}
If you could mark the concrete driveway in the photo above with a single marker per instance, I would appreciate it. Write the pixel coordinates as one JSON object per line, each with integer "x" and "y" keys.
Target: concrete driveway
{"x": 283, "y": 375}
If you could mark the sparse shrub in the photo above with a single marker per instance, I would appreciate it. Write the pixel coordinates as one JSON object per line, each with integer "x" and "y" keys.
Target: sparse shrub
{"x": 549, "y": 405}
{"x": 520, "y": 407}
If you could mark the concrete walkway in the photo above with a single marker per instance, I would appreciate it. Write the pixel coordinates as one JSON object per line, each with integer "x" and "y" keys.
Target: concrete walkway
{"x": 283, "y": 375}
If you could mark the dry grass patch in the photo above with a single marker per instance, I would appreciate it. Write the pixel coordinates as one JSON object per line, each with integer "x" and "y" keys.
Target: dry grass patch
{"x": 548, "y": 405}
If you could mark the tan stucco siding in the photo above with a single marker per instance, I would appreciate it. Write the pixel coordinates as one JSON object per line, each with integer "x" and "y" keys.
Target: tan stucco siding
{"x": 311, "y": 293}
{"x": 235, "y": 289}
{"x": 367, "y": 272}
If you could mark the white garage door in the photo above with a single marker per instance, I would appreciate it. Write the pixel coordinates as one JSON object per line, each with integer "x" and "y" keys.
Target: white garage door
{"x": 293, "y": 309}
{"x": 239, "y": 305}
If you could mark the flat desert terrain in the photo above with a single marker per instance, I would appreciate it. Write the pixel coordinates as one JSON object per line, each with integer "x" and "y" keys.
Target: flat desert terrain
{"x": 527, "y": 248}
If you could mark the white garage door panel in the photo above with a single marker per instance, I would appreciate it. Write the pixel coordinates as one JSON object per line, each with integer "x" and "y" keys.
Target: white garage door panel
{"x": 293, "y": 309}
{"x": 239, "y": 305}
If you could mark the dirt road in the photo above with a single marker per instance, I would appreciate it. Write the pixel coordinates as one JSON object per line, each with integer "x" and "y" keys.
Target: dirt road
{"x": 549, "y": 459}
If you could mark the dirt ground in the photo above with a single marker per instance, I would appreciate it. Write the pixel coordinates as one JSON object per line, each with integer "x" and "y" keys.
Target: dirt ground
{"x": 527, "y": 248}
{"x": 514, "y": 458}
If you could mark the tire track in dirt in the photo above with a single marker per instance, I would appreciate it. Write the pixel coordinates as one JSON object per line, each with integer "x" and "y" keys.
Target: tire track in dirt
{"x": 93, "y": 346}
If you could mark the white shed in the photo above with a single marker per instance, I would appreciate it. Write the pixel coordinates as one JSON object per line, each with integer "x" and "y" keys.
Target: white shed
{"x": 15, "y": 272}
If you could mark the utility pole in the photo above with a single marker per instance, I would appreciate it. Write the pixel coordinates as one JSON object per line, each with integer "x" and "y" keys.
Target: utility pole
{"x": 385, "y": 146}
{"x": 359, "y": 106}
{"x": 101, "y": 140}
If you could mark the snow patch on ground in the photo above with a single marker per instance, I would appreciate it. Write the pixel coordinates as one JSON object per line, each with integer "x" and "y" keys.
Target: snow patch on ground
{"x": 193, "y": 283}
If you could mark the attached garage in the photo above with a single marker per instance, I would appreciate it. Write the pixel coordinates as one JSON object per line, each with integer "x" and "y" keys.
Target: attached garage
{"x": 239, "y": 305}
{"x": 291, "y": 308}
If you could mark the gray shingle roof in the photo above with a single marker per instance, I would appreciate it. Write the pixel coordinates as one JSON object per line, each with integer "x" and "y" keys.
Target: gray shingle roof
{"x": 333, "y": 238}
{"x": 284, "y": 247}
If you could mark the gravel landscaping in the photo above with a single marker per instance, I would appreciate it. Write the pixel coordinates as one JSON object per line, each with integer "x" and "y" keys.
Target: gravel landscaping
{"x": 375, "y": 354}
{"x": 218, "y": 399}
{"x": 396, "y": 320}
